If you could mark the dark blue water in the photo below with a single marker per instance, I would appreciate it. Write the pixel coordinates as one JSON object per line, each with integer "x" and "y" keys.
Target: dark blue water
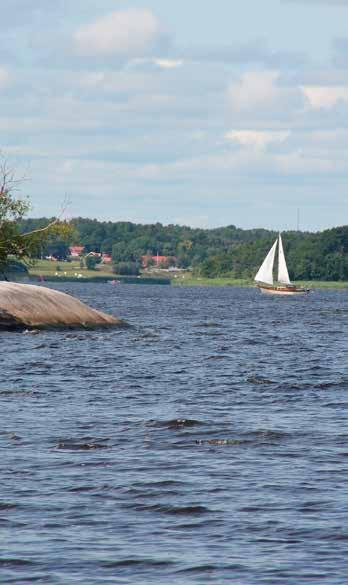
{"x": 206, "y": 444}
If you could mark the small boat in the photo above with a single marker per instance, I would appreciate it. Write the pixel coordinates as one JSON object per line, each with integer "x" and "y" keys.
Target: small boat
{"x": 283, "y": 286}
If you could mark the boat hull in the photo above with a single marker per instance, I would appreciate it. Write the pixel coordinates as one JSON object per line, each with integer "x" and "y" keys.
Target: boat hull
{"x": 283, "y": 291}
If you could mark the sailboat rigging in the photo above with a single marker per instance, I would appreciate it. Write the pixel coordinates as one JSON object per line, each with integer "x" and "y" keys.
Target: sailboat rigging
{"x": 264, "y": 277}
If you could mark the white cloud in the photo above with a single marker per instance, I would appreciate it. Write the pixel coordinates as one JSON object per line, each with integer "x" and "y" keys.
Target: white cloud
{"x": 253, "y": 90}
{"x": 325, "y": 97}
{"x": 252, "y": 165}
{"x": 168, "y": 63}
{"x": 155, "y": 128}
{"x": 149, "y": 63}
{"x": 5, "y": 78}
{"x": 122, "y": 33}
{"x": 262, "y": 91}
{"x": 256, "y": 139}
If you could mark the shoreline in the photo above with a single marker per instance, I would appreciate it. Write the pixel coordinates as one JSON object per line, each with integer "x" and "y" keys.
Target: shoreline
{"x": 194, "y": 282}
{"x": 313, "y": 284}
{"x": 46, "y": 271}
{"x": 115, "y": 280}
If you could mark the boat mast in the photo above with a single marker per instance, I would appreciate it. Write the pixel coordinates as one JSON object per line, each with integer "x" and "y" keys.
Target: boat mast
{"x": 283, "y": 275}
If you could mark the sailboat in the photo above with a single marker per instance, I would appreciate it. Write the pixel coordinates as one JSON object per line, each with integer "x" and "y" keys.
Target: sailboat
{"x": 264, "y": 277}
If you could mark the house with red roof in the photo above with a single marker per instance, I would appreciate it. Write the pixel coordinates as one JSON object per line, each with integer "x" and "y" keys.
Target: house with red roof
{"x": 76, "y": 251}
{"x": 157, "y": 261}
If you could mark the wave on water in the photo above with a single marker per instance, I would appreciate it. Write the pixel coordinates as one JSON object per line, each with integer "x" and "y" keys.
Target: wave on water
{"x": 207, "y": 325}
{"x": 175, "y": 424}
{"x": 259, "y": 380}
{"x": 189, "y": 510}
{"x": 83, "y": 444}
{"x": 207, "y": 444}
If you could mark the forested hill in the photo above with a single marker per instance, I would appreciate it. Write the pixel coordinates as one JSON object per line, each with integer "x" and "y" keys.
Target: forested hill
{"x": 211, "y": 252}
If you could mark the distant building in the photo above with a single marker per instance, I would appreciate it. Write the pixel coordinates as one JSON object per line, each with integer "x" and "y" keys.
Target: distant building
{"x": 76, "y": 251}
{"x": 52, "y": 258}
{"x": 157, "y": 261}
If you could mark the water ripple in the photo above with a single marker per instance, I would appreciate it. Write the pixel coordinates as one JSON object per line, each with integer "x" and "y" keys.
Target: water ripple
{"x": 205, "y": 444}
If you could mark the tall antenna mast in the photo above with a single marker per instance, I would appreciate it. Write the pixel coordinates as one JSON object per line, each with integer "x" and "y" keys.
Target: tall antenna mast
{"x": 298, "y": 219}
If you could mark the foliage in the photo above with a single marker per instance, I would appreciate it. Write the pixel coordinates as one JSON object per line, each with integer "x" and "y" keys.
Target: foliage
{"x": 56, "y": 242}
{"x": 127, "y": 268}
{"x": 91, "y": 262}
{"x": 227, "y": 251}
{"x": 15, "y": 242}
{"x": 17, "y": 268}
{"x": 12, "y": 210}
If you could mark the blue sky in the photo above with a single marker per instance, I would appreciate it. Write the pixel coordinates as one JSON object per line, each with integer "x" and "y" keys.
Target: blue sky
{"x": 196, "y": 112}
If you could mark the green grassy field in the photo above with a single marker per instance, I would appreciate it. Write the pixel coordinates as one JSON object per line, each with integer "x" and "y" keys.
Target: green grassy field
{"x": 66, "y": 269}
{"x": 323, "y": 284}
{"x": 189, "y": 280}
{"x": 71, "y": 271}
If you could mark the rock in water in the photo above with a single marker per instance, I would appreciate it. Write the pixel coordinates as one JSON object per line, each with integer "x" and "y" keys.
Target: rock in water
{"x": 25, "y": 306}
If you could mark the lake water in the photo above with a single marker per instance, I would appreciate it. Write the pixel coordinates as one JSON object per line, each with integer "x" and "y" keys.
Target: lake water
{"x": 206, "y": 444}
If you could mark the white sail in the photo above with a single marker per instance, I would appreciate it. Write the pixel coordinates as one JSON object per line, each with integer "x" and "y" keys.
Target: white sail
{"x": 283, "y": 275}
{"x": 265, "y": 273}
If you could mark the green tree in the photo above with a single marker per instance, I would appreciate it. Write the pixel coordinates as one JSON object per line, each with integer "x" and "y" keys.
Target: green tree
{"x": 127, "y": 268}
{"x": 91, "y": 262}
{"x": 14, "y": 244}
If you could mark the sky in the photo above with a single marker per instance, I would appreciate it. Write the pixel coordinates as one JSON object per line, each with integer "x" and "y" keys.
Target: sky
{"x": 192, "y": 112}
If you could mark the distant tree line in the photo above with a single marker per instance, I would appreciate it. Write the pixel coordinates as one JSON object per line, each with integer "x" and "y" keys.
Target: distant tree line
{"x": 226, "y": 251}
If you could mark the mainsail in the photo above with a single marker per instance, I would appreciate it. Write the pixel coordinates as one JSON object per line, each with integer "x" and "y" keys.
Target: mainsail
{"x": 265, "y": 273}
{"x": 283, "y": 275}
{"x": 264, "y": 277}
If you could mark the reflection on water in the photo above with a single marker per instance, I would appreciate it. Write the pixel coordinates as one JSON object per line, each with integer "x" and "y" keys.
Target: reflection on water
{"x": 206, "y": 444}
